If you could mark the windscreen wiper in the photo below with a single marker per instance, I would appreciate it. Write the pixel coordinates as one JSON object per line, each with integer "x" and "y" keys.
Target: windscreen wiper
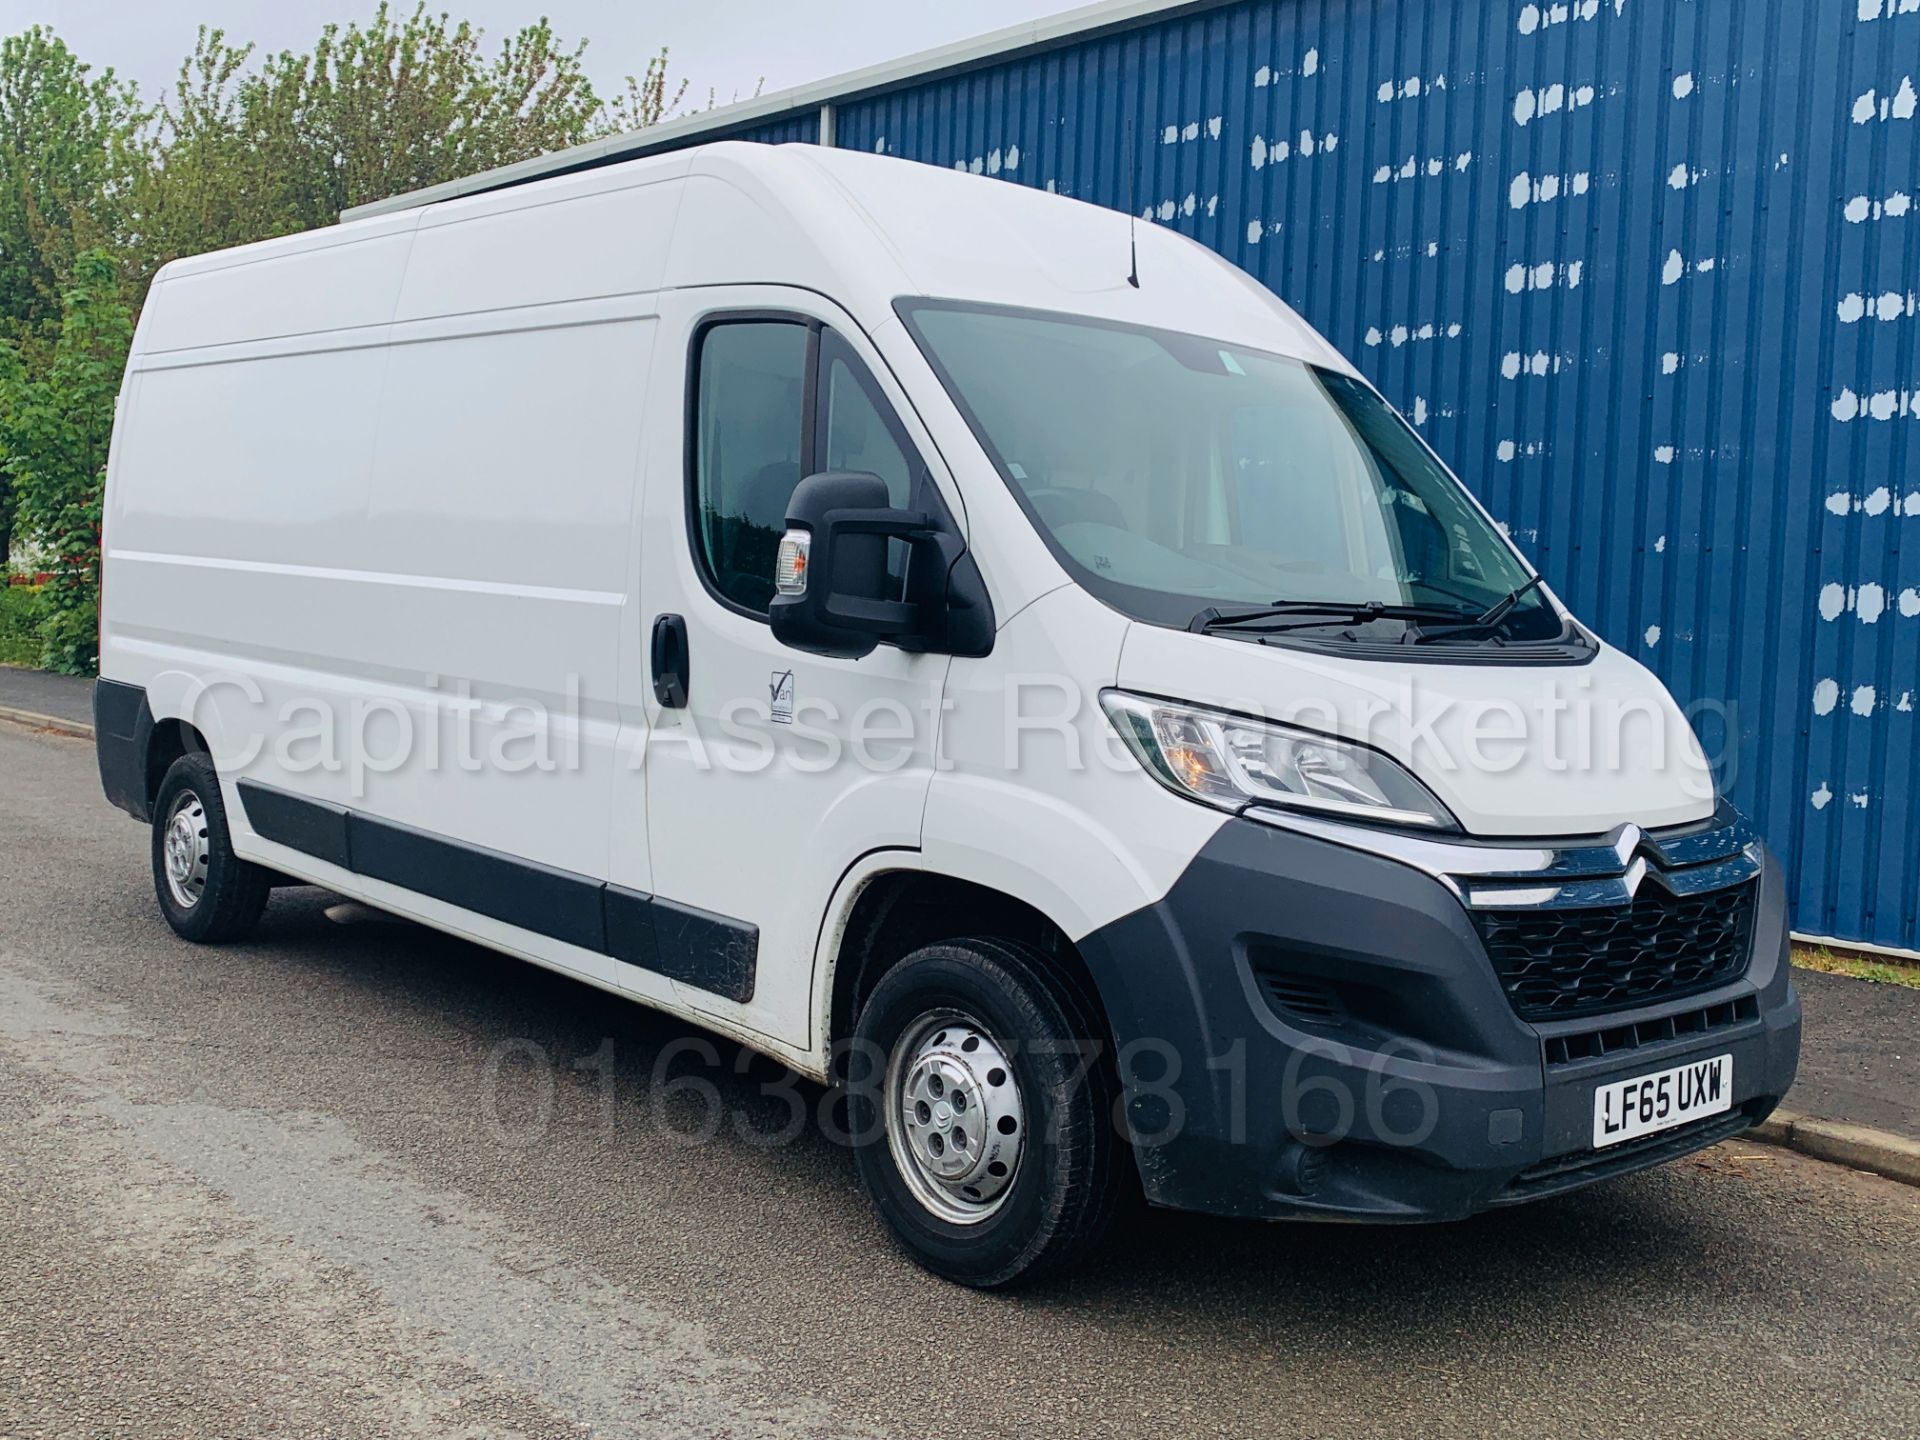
{"x": 1211, "y": 619}
{"x": 1495, "y": 612}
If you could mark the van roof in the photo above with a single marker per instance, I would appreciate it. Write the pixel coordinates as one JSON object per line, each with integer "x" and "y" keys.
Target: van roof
{"x": 895, "y": 227}
{"x": 868, "y": 229}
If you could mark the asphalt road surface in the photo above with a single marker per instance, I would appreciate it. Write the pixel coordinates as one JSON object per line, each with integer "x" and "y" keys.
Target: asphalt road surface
{"x": 354, "y": 1179}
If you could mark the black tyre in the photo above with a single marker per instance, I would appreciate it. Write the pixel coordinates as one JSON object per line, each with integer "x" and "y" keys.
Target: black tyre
{"x": 981, "y": 1102}
{"x": 208, "y": 893}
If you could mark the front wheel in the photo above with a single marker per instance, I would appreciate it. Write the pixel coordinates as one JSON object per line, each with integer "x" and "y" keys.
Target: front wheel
{"x": 208, "y": 893}
{"x": 983, "y": 1113}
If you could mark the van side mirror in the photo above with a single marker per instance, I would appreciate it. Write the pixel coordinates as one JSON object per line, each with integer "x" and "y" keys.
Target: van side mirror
{"x": 833, "y": 594}
{"x": 830, "y": 578}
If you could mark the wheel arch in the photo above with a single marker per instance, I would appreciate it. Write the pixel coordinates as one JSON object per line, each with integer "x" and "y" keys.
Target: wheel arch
{"x": 891, "y": 905}
{"x": 168, "y": 741}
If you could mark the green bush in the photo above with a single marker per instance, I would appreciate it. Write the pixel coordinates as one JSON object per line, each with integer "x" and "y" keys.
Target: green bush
{"x": 54, "y": 428}
{"x": 19, "y": 643}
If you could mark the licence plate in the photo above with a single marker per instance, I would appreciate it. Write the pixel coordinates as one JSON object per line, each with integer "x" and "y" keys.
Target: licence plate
{"x": 1627, "y": 1109}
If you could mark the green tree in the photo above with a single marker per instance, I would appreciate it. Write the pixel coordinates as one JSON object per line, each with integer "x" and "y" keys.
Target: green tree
{"x": 54, "y": 430}
{"x": 644, "y": 100}
{"x": 70, "y": 149}
{"x": 248, "y": 152}
{"x": 69, "y": 152}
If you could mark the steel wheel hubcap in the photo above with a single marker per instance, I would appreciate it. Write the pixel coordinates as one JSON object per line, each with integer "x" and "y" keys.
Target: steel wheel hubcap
{"x": 955, "y": 1121}
{"x": 183, "y": 847}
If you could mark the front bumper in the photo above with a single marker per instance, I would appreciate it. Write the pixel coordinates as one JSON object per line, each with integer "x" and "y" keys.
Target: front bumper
{"x": 1308, "y": 1029}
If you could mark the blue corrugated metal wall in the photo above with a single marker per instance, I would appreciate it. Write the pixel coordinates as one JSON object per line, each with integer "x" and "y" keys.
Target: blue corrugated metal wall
{"x": 803, "y": 129}
{"x": 1647, "y": 273}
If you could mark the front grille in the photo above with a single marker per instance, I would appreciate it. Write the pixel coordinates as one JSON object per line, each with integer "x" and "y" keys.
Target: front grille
{"x": 1555, "y": 964}
{"x": 1605, "y": 1040}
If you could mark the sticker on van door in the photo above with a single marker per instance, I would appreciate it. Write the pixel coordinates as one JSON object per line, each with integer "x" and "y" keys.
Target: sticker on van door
{"x": 780, "y": 697}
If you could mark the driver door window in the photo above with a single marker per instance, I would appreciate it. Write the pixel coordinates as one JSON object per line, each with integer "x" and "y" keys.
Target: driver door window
{"x": 750, "y": 450}
{"x": 776, "y": 401}
{"x": 857, "y": 428}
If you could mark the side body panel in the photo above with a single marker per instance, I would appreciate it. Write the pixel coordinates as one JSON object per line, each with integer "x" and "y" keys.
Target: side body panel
{"x": 384, "y": 567}
{"x": 1036, "y": 796}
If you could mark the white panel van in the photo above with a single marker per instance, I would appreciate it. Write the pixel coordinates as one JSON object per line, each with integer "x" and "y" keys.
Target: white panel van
{"x": 989, "y": 659}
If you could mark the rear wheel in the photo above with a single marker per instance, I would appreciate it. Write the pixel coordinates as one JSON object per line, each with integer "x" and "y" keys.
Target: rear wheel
{"x": 208, "y": 893}
{"x": 982, "y": 1110}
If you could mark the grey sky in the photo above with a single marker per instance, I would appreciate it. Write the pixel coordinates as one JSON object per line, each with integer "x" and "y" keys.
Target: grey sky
{"x": 725, "y": 44}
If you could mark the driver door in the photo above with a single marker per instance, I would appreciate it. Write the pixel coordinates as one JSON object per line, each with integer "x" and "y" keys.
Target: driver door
{"x": 770, "y": 771}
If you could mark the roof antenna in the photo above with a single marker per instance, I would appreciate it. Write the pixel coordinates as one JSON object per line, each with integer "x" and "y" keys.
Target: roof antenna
{"x": 1133, "y": 221}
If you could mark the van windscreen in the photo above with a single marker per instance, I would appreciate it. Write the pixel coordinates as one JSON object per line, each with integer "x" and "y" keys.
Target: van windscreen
{"x": 1173, "y": 474}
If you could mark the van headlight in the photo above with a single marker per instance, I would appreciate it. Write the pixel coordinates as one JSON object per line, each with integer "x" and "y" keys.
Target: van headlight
{"x": 1230, "y": 761}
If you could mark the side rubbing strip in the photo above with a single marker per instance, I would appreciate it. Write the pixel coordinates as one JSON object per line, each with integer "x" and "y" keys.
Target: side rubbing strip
{"x": 630, "y": 927}
{"x": 311, "y": 826}
{"x": 706, "y": 950}
{"x": 517, "y": 892}
{"x": 695, "y": 947}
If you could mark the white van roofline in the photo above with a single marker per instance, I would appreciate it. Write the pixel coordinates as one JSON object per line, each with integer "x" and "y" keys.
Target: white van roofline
{"x": 864, "y": 229}
{"x": 822, "y": 95}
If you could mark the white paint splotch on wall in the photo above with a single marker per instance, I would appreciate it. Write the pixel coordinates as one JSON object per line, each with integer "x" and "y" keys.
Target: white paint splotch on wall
{"x": 1192, "y": 130}
{"x": 1886, "y": 9}
{"x": 1545, "y": 275}
{"x": 1881, "y": 405}
{"x": 1530, "y": 104}
{"x": 1860, "y": 209}
{"x": 1404, "y": 251}
{"x": 1433, "y": 167}
{"x": 1411, "y": 88}
{"x": 1264, "y": 152}
{"x": 1866, "y": 603}
{"x": 1514, "y": 365}
{"x": 1183, "y": 208}
{"x": 994, "y": 162}
{"x": 1861, "y": 703}
{"x": 1873, "y": 105}
{"x": 1398, "y": 335}
{"x": 1507, "y": 451}
{"x": 1534, "y": 18}
{"x": 1528, "y": 189}
{"x": 1305, "y": 69}
{"x": 1876, "y": 502}
{"x": 1886, "y": 306}
{"x": 1677, "y": 267}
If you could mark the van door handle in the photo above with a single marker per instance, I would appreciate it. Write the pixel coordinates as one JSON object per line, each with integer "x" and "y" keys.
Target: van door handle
{"x": 669, "y": 661}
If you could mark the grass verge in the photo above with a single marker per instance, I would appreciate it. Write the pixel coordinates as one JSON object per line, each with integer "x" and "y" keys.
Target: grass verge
{"x": 1875, "y": 969}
